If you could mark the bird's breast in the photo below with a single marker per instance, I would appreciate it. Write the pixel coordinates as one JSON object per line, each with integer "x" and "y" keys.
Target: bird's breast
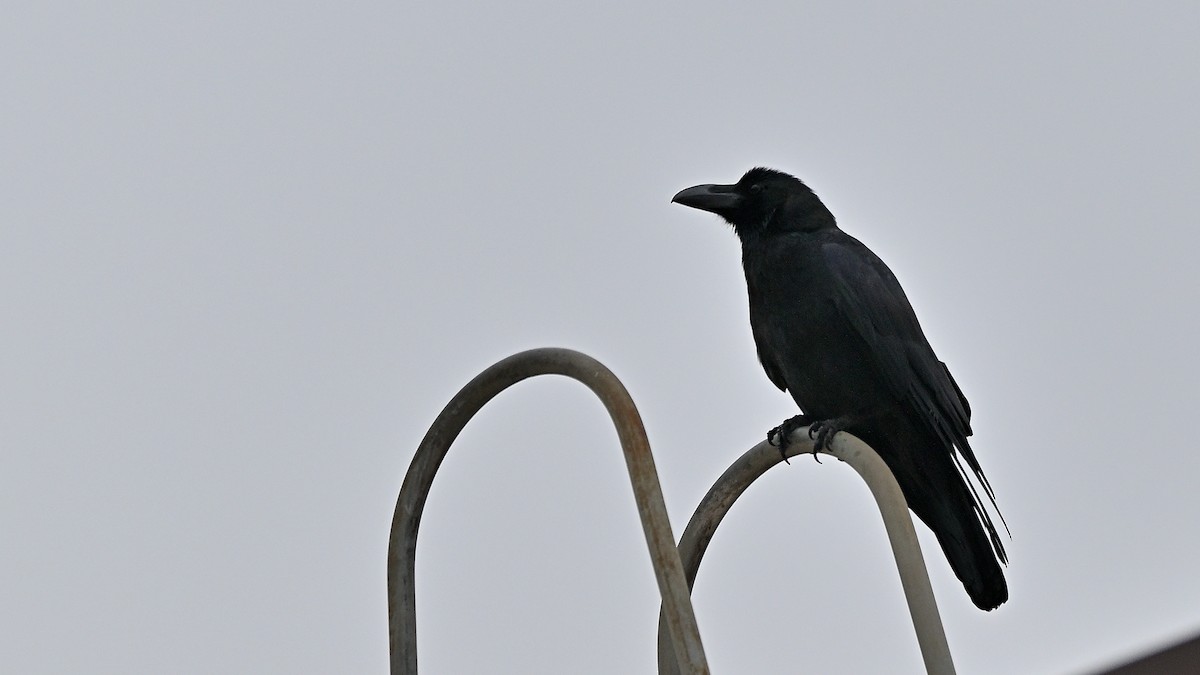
{"x": 799, "y": 329}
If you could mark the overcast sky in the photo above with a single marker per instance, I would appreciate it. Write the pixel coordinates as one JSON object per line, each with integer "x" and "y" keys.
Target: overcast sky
{"x": 249, "y": 250}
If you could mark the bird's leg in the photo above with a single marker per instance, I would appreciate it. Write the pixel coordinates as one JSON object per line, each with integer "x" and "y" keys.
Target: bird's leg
{"x": 784, "y": 432}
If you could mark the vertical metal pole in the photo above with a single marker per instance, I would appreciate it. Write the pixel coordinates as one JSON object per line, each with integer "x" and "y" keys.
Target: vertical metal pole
{"x": 677, "y": 613}
{"x": 914, "y": 577}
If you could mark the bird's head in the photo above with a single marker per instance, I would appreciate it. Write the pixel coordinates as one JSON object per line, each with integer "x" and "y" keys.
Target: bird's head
{"x": 762, "y": 202}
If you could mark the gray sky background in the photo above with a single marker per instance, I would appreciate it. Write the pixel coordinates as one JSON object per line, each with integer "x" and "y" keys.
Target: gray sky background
{"x": 249, "y": 250}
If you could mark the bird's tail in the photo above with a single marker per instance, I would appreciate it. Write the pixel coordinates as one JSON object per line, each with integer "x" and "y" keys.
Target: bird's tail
{"x": 941, "y": 497}
{"x": 968, "y": 549}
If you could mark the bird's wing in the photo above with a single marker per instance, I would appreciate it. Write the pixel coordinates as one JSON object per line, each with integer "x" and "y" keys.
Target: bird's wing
{"x": 870, "y": 298}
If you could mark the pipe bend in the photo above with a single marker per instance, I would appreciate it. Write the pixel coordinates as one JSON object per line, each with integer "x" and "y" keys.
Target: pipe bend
{"x": 679, "y": 617}
{"x": 914, "y": 577}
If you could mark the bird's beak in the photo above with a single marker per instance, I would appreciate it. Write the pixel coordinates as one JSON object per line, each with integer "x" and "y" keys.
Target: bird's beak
{"x": 719, "y": 199}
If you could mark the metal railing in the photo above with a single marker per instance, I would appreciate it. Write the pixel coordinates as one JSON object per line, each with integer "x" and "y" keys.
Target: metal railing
{"x": 678, "y": 616}
{"x": 896, "y": 520}
{"x": 675, "y": 568}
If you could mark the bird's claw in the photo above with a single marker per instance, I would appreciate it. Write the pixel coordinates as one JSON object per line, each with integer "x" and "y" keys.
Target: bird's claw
{"x": 784, "y": 432}
{"x": 783, "y": 443}
{"x": 822, "y": 433}
{"x": 815, "y": 428}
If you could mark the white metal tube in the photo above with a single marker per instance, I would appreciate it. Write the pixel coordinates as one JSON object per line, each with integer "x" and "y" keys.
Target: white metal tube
{"x": 410, "y": 504}
{"x": 914, "y": 577}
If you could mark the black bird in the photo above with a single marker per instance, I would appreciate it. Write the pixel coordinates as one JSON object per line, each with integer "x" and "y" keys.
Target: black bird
{"x": 834, "y": 329}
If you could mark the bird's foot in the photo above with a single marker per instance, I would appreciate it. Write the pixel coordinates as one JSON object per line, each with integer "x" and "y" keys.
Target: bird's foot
{"x": 823, "y": 431}
{"x": 784, "y": 433}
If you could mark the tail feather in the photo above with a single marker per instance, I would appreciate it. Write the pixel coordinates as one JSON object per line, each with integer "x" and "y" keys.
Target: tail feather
{"x": 970, "y": 553}
{"x": 941, "y": 496}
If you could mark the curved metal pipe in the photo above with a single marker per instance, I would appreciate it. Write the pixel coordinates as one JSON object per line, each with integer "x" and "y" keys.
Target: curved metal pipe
{"x": 677, "y": 614}
{"x": 892, "y": 506}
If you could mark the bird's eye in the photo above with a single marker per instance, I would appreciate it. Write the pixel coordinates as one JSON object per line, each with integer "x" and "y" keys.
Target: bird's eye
{"x": 756, "y": 188}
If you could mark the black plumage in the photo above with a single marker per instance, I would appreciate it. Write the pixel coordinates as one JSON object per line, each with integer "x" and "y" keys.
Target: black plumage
{"x": 834, "y": 329}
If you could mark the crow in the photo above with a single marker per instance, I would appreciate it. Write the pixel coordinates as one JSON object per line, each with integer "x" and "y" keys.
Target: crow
{"x": 834, "y": 329}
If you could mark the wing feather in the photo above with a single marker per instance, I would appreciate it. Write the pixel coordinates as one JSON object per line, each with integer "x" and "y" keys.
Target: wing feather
{"x": 868, "y": 295}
